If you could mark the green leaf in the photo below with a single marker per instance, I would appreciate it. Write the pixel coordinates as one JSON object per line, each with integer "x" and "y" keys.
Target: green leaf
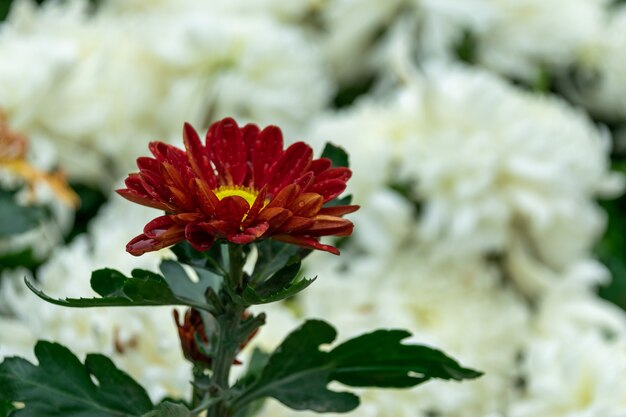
{"x": 279, "y": 280}
{"x": 91, "y": 199}
{"x": 298, "y": 372}
{"x": 466, "y": 48}
{"x": 279, "y": 285}
{"x": 379, "y": 359}
{"x": 257, "y": 362}
{"x": 212, "y": 259}
{"x": 62, "y": 386}
{"x": 169, "y": 409}
{"x": 336, "y": 154}
{"x": 5, "y": 408}
{"x": 252, "y": 297}
{"x": 274, "y": 256}
{"x": 25, "y": 258}
{"x": 16, "y": 218}
{"x": 183, "y": 287}
{"x": 143, "y": 288}
{"x": 611, "y": 248}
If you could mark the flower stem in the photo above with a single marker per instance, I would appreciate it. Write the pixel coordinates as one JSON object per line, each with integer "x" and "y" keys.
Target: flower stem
{"x": 236, "y": 261}
{"x": 230, "y": 323}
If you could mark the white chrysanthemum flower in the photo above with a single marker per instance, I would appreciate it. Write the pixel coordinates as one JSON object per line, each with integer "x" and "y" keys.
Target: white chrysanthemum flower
{"x": 141, "y": 341}
{"x": 516, "y": 38}
{"x": 351, "y": 31}
{"x": 600, "y": 84}
{"x": 283, "y": 10}
{"x": 491, "y": 167}
{"x": 582, "y": 376}
{"x": 127, "y": 78}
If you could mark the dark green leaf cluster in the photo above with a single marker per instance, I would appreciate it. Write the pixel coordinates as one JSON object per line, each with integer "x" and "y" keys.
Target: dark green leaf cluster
{"x": 298, "y": 372}
{"x": 17, "y": 218}
{"x": 62, "y": 386}
{"x": 142, "y": 288}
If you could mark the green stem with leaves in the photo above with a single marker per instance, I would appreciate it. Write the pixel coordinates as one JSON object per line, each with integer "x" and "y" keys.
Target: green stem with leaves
{"x": 230, "y": 324}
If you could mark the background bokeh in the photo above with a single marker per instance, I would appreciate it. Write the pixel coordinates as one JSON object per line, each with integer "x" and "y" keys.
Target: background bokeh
{"x": 488, "y": 144}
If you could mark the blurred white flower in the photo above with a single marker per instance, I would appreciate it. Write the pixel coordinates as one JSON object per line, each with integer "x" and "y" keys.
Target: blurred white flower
{"x": 108, "y": 83}
{"x": 582, "y": 376}
{"x": 516, "y": 38}
{"x": 490, "y": 167}
{"x": 599, "y": 86}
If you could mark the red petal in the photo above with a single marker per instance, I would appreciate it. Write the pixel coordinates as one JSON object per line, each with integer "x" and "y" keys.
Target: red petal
{"x": 319, "y": 165}
{"x": 133, "y": 196}
{"x": 296, "y": 224}
{"x": 307, "y": 205}
{"x": 250, "y": 234}
{"x": 267, "y": 149}
{"x": 328, "y": 189}
{"x": 339, "y": 173}
{"x": 133, "y": 182}
{"x": 274, "y": 216}
{"x": 250, "y": 132}
{"x": 285, "y": 197}
{"x": 306, "y": 242}
{"x": 142, "y": 243}
{"x": 198, "y": 238}
{"x": 256, "y": 207}
{"x": 218, "y": 228}
{"x": 241, "y": 239}
{"x": 155, "y": 186}
{"x": 227, "y": 151}
{"x": 305, "y": 181}
{"x": 198, "y": 156}
{"x": 231, "y": 209}
{"x": 330, "y": 226}
{"x": 206, "y": 200}
{"x": 148, "y": 164}
{"x": 258, "y": 230}
{"x": 292, "y": 164}
{"x": 339, "y": 210}
{"x": 182, "y": 199}
{"x": 156, "y": 227}
{"x": 165, "y": 152}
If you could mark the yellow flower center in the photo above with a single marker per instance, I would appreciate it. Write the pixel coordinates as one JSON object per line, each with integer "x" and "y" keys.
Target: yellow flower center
{"x": 246, "y": 193}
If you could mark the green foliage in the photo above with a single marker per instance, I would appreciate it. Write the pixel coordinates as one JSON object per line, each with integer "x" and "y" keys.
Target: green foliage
{"x": 24, "y": 258}
{"x": 298, "y": 372}
{"x": 5, "y": 6}
{"x": 213, "y": 260}
{"x": 272, "y": 257}
{"x": 466, "y": 48}
{"x": 348, "y": 94}
{"x": 143, "y": 288}
{"x": 336, "y": 154}
{"x": 258, "y": 361}
{"x": 91, "y": 199}
{"x": 611, "y": 250}
{"x": 62, "y": 386}
{"x": 276, "y": 273}
{"x": 252, "y": 296}
{"x": 16, "y": 218}
{"x": 5, "y": 408}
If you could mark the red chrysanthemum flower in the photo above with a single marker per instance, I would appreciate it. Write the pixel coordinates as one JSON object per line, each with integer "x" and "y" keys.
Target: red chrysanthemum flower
{"x": 240, "y": 186}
